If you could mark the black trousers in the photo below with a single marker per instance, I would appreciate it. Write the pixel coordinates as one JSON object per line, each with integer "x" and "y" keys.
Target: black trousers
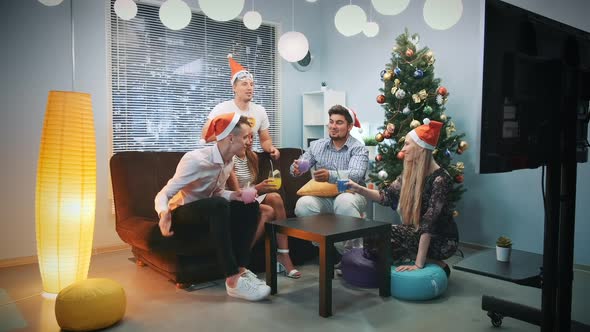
{"x": 232, "y": 226}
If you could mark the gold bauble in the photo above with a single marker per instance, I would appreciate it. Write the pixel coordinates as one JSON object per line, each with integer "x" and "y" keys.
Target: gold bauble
{"x": 443, "y": 118}
{"x": 463, "y": 145}
{"x": 455, "y": 214}
{"x": 387, "y": 76}
{"x": 379, "y": 137}
{"x": 414, "y": 124}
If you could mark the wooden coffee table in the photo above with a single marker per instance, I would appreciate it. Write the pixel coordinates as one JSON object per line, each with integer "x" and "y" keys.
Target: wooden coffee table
{"x": 326, "y": 230}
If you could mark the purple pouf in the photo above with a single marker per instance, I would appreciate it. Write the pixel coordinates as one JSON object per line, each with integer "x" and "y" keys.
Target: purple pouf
{"x": 359, "y": 271}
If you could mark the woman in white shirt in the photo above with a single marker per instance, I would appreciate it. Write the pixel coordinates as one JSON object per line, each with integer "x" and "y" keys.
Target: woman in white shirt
{"x": 271, "y": 205}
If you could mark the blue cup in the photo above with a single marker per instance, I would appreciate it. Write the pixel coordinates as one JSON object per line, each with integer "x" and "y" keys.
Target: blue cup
{"x": 342, "y": 185}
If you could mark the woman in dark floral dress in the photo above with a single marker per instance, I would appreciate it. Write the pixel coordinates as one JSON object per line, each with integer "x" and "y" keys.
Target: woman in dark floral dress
{"x": 428, "y": 232}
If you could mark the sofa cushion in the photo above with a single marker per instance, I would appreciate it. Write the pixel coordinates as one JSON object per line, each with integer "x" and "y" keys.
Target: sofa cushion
{"x": 320, "y": 189}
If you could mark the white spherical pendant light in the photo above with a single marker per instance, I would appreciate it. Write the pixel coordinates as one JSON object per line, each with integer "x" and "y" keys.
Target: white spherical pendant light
{"x": 390, "y": 7}
{"x": 51, "y": 2}
{"x": 125, "y": 9}
{"x": 222, "y": 11}
{"x": 371, "y": 29}
{"x": 350, "y": 20}
{"x": 293, "y": 46}
{"x": 442, "y": 14}
{"x": 175, "y": 14}
{"x": 252, "y": 20}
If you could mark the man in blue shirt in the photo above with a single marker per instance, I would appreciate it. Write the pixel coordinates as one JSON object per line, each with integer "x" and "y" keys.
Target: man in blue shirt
{"x": 331, "y": 156}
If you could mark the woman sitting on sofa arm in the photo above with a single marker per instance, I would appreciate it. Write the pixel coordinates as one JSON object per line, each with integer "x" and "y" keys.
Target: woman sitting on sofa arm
{"x": 271, "y": 204}
{"x": 428, "y": 232}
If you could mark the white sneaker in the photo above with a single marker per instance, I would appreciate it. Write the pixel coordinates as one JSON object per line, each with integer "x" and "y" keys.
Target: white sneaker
{"x": 246, "y": 289}
{"x": 253, "y": 277}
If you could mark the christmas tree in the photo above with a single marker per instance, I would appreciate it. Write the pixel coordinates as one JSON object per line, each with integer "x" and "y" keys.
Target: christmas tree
{"x": 411, "y": 95}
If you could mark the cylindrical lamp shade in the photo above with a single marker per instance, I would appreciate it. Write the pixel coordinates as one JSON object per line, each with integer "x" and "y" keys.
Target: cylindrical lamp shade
{"x": 66, "y": 190}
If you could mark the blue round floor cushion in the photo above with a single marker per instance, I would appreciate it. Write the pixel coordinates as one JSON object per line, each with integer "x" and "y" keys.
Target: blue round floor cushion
{"x": 358, "y": 270}
{"x": 418, "y": 285}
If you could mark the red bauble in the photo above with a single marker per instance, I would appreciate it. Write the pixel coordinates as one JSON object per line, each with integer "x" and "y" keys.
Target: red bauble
{"x": 409, "y": 52}
{"x": 459, "y": 178}
{"x": 380, "y": 99}
{"x": 459, "y": 151}
{"x": 401, "y": 155}
{"x": 378, "y": 157}
{"x": 442, "y": 91}
{"x": 387, "y": 134}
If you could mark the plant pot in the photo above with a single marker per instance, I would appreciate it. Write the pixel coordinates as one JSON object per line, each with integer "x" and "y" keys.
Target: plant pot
{"x": 503, "y": 254}
{"x": 323, "y": 88}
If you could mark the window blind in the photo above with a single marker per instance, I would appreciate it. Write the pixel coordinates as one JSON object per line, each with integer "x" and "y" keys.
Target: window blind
{"x": 164, "y": 83}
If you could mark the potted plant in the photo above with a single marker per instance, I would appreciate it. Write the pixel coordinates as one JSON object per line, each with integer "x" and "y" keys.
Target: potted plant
{"x": 371, "y": 144}
{"x": 324, "y": 86}
{"x": 503, "y": 248}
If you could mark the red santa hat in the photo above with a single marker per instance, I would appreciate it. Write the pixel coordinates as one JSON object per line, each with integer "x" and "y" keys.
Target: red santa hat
{"x": 427, "y": 134}
{"x": 355, "y": 119}
{"x": 220, "y": 127}
{"x": 237, "y": 71}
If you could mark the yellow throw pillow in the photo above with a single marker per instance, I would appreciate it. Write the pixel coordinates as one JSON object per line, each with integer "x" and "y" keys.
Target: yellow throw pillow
{"x": 320, "y": 189}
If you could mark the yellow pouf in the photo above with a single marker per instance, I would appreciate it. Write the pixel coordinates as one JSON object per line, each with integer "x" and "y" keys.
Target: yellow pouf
{"x": 90, "y": 304}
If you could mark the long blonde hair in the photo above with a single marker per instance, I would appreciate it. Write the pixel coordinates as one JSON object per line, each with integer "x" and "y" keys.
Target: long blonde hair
{"x": 413, "y": 176}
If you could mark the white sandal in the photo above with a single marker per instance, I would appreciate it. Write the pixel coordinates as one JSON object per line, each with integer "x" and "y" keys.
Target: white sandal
{"x": 294, "y": 274}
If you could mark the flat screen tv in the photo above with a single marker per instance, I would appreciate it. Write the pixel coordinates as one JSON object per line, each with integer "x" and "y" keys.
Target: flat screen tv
{"x": 531, "y": 65}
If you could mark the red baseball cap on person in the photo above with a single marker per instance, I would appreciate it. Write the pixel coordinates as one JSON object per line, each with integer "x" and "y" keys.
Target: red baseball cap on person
{"x": 220, "y": 127}
{"x": 427, "y": 134}
{"x": 237, "y": 71}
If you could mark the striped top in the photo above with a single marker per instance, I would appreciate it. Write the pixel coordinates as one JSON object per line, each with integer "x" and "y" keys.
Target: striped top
{"x": 352, "y": 156}
{"x": 243, "y": 172}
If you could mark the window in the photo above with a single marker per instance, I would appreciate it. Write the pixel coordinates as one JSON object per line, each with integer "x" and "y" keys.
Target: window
{"x": 164, "y": 82}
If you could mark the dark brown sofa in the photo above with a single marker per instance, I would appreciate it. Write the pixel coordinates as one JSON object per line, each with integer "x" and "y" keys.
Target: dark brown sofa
{"x": 138, "y": 176}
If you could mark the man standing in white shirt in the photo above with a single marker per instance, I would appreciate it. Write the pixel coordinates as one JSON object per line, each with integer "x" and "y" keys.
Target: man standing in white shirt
{"x": 243, "y": 85}
{"x": 196, "y": 195}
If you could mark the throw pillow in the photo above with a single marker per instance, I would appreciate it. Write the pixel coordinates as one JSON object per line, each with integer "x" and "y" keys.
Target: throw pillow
{"x": 320, "y": 189}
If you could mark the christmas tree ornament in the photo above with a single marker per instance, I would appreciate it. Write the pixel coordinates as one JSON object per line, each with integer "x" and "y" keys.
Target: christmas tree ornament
{"x": 429, "y": 55}
{"x": 445, "y": 99}
{"x": 427, "y": 110}
{"x": 379, "y": 137}
{"x": 450, "y": 128}
{"x": 422, "y": 94}
{"x": 390, "y": 128}
{"x": 459, "y": 151}
{"x": 459, "y": 178}
{"x": 414, "y": 124}
{"x": 400, "y": 94}
{"x": 388, "y": 76}
{"x": 447, "y": 153}
{"x": 439, "y": 99}
{"x": 382, "y": 73}
{"x": 378, "y": 157}
{"x": 455, "y": 214}
{"x": 434, "y": 152}
{"x": 380, "y": 99}
{"x": 443, "y": 118}
{"x": 401, "y": 155}
{"x": 406, "y": 110}
{"x": 460, "y": 166}
{"x": 382, "y": 174}
{"x": 418, "y": 73}
{"x": 409, "y": 52}
{"x": 386, "y": 134}
{"x": 442, "y": 91}
{"x": 397, "y": 71}
{"x": 416, "y": 98}
{"x": 394, "y": 90}
{"x": 463, "y": 145}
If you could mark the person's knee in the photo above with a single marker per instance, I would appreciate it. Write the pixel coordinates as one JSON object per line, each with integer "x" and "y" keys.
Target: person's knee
{"x": 266, "y": 213}
{"x": 274, "y": 199}
{"x": 347, "y": 204}
{"x": 306, "y": 206}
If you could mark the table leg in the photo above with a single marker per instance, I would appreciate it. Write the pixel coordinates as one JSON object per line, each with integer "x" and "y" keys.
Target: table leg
{"x": 384, "y": 264}
{"x": 270, "y": 241}
{"x": 326, "y": 273}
